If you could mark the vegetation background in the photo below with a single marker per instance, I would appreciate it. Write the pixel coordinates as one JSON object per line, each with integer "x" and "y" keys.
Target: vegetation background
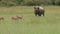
{"x": 28, "y": 2}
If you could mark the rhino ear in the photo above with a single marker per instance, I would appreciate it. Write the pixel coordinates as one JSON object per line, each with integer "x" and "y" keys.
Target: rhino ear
{"x": 34, "y": 7}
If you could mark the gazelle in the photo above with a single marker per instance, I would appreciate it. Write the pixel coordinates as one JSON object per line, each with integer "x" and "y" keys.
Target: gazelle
{"x": 1, "y": 18}
{"x": 16, "y": 17}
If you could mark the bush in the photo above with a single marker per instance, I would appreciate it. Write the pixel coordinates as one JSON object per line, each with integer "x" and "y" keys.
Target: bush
{"x": 57, "y": 2}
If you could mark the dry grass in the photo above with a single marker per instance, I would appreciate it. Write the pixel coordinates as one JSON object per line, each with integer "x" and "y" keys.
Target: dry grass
{"x": 30, "y": 24}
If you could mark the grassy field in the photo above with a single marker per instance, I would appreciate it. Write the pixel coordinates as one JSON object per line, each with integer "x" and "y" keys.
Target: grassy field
{"x": 30, "y": 24}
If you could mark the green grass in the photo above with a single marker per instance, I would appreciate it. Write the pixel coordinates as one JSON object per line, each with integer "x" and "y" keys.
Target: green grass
{"x": 30, "y": 24}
